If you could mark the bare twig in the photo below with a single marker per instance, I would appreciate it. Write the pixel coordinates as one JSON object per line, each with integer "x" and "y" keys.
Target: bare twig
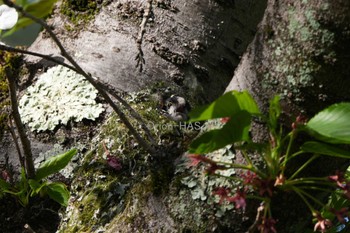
{"x": 139, "y": 57}
{"x": 15, "y": 139}
{"x": 132, "y": 112}
{"x": 88, "y": 77}
{"x": 20, "y": 129}
{"x": 253, "y": 227}
{"x": 47, "y": 57}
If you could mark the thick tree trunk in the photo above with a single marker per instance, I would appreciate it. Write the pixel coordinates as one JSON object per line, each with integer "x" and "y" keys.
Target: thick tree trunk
{"x": 301, "y": 53}
{"x": 187, "y": 45}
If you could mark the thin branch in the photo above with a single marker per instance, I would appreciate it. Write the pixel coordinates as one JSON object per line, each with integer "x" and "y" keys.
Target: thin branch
{"x": 253, "y": 227}
{"x": 47, "y": 57}
{"x": 88, "y": 77}
{"x": 139, "y": 57}
{"x": 20, "y": 129}
{"x": 132, "y": 112}
{"x": 15, "y": 139}
{"x": 111, "y": 92}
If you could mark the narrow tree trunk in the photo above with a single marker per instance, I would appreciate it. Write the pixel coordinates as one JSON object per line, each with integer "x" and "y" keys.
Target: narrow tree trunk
{"x": 27, "y": 150}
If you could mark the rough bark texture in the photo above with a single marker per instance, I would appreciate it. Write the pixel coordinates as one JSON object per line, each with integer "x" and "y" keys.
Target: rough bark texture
{"x": 193, "y": 45}
{"x": 301, "y": 53}
{"x": 191, "y": 48}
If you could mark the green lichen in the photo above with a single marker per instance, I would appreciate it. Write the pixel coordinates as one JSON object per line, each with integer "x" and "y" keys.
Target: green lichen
{"x": 98, "y": 196}
{"x": 103, "y": 194}
{"x": 301, "y": 48}
{"x": 58, "y": 96}
{"x": 142, "y": 175}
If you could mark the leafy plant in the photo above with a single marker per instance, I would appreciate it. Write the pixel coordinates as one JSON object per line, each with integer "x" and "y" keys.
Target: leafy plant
{"x": 329, "y": 127}
{"x": 27, "y": 188}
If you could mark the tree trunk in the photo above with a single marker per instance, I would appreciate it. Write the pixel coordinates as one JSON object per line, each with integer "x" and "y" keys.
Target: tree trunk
{"x": 188, "y": 46}
{"x": 301, "y": 53}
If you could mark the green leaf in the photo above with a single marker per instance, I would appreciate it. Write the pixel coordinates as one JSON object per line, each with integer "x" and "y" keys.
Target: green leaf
{"x": 4, "y": 185}
{"x": 324, "y": 149}
{"x": 54, "y": 164}
{"x": 22, "y": 3}
{"x": 39, "y": 9}
{"x": 23, "y": 183}
{"x": 58, "y": 192}
{"x": 274, "y": 112}
{"x": 35, "y": 186}
{"x": 237, "y": 129}
{"x": 227, "y": 105}
{"x": 331, "y": 125}
{"x": 21, "y": 23}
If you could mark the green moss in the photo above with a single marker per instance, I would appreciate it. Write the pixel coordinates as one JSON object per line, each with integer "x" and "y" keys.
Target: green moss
{"x": 80, "y": 11}
{"x": 14, "y": 62}
{"x": 102, "y": 193}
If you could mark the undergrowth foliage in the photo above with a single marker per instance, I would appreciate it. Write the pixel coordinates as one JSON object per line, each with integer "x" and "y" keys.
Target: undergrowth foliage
{"x": 330, "y": 129}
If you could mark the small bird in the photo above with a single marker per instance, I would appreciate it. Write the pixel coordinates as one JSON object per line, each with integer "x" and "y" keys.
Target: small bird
{"x": 176, "y": 108}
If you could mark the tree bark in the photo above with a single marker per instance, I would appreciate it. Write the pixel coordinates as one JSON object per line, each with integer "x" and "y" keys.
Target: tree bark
{"x": 301, "y": 53}
{"x": 191, "y": 47}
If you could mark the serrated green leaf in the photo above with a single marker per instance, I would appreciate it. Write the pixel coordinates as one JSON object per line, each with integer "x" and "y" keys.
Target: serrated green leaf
{"x": 227, "y": 105}
{"x": 331, "y": 125}
{"x": 324, "y": 149}
{"x": 237, "y": 129}
{"x": 54, "y": 164}
{"x": 58, "y": 192}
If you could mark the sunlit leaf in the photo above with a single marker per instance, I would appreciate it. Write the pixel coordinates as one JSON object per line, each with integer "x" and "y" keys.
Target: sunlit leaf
{"x": 237, "y": 129}
{"x": 274, "y": 112}
{"x": 21, "y": 3}
{"x": 324, "y": 149}
{"x": 58, "y": 192}
{"x": 332, "y": 124}
{"x": 39, "y": 9}
{"x": 226, "y": 106}
{"x": 54, "y": 164}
